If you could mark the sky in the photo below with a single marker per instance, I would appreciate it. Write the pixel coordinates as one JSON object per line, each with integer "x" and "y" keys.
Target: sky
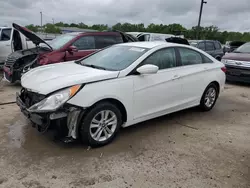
{"x": 230, "y": 15}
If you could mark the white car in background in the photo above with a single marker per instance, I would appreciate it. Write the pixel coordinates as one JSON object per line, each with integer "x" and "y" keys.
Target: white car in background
{"x": 119, "y": 86}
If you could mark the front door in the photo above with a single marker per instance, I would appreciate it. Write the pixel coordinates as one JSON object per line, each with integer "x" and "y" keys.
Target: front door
{"x": 158, "y": 93}
{"x": 85, "y": 46}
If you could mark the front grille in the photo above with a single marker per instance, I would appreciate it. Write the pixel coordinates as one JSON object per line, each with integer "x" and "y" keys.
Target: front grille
{"x": 30, "y": 98}
{"x": 238, "y": 71}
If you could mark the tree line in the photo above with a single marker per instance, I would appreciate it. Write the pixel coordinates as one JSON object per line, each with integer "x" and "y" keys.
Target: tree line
{"x": 210, "y": 33}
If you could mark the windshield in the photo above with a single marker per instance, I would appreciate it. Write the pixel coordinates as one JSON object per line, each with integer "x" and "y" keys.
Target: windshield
{"x": 60, "y": 41}
{"x": 114, "y": 58}
{"x": 245, "y": 48}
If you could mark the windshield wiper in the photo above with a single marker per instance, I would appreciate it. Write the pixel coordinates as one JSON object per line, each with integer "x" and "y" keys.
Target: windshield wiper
{"x": 94, "y": 66}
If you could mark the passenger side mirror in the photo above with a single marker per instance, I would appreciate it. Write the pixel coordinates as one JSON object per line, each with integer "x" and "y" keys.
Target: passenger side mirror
{"x": 72, "y": 49}
{"x": 147, "y": 69}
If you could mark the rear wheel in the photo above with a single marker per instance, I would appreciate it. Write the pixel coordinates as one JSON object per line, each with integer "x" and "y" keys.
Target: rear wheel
{"x": 209, "y": 97}
{"x": 101, "y": 124}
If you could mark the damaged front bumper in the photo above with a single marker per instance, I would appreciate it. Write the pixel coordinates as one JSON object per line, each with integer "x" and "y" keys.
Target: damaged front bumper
{"x": 68, "y": 118}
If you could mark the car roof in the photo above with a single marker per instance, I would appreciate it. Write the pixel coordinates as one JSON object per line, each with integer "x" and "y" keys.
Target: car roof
{"x": 151, "y": 44}
{"x": 3, "y": 27}
{"x": 93, "y": 33}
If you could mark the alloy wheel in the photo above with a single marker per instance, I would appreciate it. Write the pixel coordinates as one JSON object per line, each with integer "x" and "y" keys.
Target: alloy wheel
{"x": 103, "y": 125}
{"x": 210, "y": 97}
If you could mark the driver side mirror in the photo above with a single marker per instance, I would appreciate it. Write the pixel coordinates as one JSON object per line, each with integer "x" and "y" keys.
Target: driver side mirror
{"x": 72, "y": 49}
{"x": 147, "y": 69}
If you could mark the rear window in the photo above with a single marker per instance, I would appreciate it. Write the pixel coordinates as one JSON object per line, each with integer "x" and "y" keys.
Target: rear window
{"x": 217, "y": 45}
{"x": 201, "y": 45}
{"x": 209, "y": 46}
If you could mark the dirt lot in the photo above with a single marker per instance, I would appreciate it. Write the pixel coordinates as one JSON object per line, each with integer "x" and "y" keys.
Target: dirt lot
{"x": 187, "y": 149}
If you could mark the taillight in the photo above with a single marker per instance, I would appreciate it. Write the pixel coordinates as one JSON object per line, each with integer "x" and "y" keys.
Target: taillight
{"x": 224, "y": 69}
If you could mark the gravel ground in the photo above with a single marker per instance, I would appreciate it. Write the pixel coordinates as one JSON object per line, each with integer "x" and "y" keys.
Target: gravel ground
{"x": 187, "y": 149}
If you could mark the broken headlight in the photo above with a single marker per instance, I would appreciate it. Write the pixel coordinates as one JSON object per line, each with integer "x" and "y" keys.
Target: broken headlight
{"x": 55, "y": 101}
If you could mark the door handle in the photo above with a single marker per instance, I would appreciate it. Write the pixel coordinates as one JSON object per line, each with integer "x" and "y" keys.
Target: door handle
{"x": 205, "y": 68}
{"x": 7, "y": 45}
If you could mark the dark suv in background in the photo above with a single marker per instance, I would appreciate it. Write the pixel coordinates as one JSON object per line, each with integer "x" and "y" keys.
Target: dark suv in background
{"x": 212, "y": 47}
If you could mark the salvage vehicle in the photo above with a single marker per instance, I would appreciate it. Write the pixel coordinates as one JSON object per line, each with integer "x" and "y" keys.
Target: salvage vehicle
{"x": 238, "y": 64}
{"x": 66, "y": 47}
{"x": 11, "y": 40}
{"x": 212, "y": 47}
{"x": 119, "y": 86}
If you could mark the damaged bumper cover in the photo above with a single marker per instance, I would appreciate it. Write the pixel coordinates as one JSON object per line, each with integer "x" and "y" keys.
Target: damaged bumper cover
{"x": 69, "y": 114}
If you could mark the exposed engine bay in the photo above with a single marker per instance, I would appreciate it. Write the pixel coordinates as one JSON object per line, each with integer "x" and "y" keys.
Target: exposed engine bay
{"x": 19, "y": 62}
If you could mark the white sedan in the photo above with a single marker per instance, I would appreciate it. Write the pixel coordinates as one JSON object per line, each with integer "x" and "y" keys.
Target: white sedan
{"x": 119, "y": 86}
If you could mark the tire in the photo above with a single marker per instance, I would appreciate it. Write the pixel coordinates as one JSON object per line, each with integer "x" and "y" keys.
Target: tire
{"x": 92, "y": 123}
{"x": 208, "y": 106}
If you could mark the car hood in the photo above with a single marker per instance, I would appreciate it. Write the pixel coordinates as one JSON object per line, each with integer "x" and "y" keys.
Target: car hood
{"x": 237, "y": 56}
{"x": 50, "y": 78}
{"x": 30, "y": 35}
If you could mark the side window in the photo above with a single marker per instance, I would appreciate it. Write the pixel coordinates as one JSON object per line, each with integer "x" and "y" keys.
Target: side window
{"x": 164, "y": 58}
{"x": 144, "y": 37}
{"x": 85, "y": 43}
{"x": 5, "y": 36}
{"x": 190, "y": 57}
{"x": 119, "y": 39}
{"x": 217, "y": 45}
{"x": 141, "y": 38}
{"x": 206, "y": 59}
{"x": 201, "y": 46}
{"x": 104, "y": 41}
{"x": 210, "y": 46}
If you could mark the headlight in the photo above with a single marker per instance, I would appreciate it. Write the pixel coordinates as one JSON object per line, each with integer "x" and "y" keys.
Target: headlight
{"x": 224, "y": 61}
{"x": 55, "y": 101}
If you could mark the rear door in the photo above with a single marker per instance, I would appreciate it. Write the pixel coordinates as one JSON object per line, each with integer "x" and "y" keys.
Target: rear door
{"x": 5, "y": 43}
{"x": 194, "y": 75}
{"x": 155, "y": 94}
{"x": 85, "y": 45}
{"x": 210, "y": 48}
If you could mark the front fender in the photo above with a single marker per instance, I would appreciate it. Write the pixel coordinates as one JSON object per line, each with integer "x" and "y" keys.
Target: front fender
{"x": 120, "y": 89}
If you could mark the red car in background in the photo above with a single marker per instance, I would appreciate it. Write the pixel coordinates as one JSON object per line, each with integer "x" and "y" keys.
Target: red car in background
{"x": 66, "y": 47}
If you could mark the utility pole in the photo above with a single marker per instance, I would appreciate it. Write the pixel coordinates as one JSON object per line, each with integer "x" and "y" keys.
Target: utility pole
{"x": 53, "y": 21}
{"x": 41, "y": 19}
{"x": 199, "y": 22}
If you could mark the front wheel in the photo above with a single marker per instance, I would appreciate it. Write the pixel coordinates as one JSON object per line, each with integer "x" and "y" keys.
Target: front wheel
{"x": 101, "y": 124}
{"x": 209, "y": 97}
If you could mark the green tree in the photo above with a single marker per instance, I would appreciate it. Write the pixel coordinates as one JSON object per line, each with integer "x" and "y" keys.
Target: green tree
{"x": 210, "y": 32}
{"x": 50, "y": 28}
{"x": 32, "y": 27}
